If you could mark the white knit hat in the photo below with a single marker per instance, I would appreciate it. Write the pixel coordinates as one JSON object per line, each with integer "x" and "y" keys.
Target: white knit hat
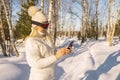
{"x": 36, "y": 15}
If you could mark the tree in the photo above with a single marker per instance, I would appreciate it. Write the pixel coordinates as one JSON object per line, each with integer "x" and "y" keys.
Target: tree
{"x": 117, "y": 29}
{"x": 23, "y": 24}
{"x": 70, "y": 20}
{"x": 108, "y": 26}
{"x": 84, "y": 20}
{"x": 2, "y": 35}
{"x": 111, "y": 21}
{"x": 10, "y": 29}
{"x": 42, "y": 6}
{"x": 96, "y": 31}
{"x": 55, "y": 19}
{"x": 50, "y": 14}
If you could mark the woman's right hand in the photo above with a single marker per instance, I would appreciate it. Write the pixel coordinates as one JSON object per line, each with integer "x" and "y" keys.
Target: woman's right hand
{"x": 61, "y": 52}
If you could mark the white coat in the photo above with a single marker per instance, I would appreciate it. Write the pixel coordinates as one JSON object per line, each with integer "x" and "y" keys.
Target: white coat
{"x": 40, "y": 58}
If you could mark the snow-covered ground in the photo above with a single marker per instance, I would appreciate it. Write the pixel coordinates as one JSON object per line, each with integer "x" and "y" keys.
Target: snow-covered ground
{"x": 92, "y": 60}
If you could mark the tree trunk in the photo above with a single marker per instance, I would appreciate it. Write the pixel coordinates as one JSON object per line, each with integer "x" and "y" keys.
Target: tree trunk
{"x": 10, "y": 29}
{"x": 108, "y": 26}
{"x": 96, "y": 37}
{"x": 84, "y": 20}
{"x": 2, "y": 37}
{"x": 42, "y": 6}
{"x": 71, "y": 22}
{"x": 55, "y": 19}
{"x": 50, "y": 15}
{"x": 111, "y": 25}
{"x": 101, "y": 30}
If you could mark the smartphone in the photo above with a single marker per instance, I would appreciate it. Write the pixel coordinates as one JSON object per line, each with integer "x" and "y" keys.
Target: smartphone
{"x": 70, "y": 45}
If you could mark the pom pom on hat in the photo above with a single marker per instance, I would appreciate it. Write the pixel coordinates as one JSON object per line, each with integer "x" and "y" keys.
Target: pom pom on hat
{"x": 32, "y": 10}
{"x": 36, "y": 15}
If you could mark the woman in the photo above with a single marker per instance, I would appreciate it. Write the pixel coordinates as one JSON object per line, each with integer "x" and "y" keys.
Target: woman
{"x": 39, "y": 48}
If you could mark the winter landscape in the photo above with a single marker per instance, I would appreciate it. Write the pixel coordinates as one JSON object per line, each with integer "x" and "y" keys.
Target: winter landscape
{"x": 48, "y": 27}
{"x": 92, "y": 60}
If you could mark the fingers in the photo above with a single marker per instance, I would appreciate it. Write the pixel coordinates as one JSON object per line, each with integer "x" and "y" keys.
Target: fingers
{"x": 61, "y": 52}
{"x": 65, "y": 51}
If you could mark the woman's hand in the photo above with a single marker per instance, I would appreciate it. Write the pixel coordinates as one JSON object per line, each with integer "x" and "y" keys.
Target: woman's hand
{"x": 61, "y": 52}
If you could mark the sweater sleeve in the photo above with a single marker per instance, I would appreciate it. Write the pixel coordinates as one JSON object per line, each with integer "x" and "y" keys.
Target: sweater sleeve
{"x": 34, "y": 58}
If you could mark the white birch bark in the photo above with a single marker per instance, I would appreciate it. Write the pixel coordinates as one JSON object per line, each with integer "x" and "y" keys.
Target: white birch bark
{"x": 10, "y": 29}
{"x": 96, "y": 19}
{"x": 42, "y": 6}
{"x": 50, "y": 14}
{"x": 111, "y": 21}
{"x": 2, "y": 41}
{"x": 84, "y": 20}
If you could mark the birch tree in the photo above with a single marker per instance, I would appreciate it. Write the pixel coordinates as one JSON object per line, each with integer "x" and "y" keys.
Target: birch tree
{"x": 54, "y": 21}
{"x": 84, "y": 20}
{"x": 10, "y": 28}
{"x": 108, "y": 26}
{"x": 55, "y": 18}
{"x": 70, "y": 20}
{"x": 111, "y": 21}
{"x": 50, "y": 14}
{"x": 2, "y": 37}
{"x": 42, "y": 6}
{"x": 96, "y": 37}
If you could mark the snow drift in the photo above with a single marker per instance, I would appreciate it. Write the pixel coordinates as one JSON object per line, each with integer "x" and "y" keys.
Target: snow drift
{"x": 93, "y": 60}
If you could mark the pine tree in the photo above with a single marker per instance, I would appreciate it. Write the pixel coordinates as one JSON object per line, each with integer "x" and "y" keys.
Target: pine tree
{"x": 23, "y": 25}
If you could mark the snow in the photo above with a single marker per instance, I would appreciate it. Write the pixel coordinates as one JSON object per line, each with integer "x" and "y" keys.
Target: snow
{"x": 92, "y": 60}
{"x": 14, "y": 68}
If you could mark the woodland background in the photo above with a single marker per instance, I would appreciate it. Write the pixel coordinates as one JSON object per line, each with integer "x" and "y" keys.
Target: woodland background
{"x": 82, "y": 18}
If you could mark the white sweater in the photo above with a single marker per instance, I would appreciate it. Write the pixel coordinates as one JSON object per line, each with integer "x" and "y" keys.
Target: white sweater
{"x": 40, "y": 58}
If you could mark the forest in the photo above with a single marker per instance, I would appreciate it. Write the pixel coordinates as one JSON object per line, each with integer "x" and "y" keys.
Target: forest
{"x": 82, "y": 18}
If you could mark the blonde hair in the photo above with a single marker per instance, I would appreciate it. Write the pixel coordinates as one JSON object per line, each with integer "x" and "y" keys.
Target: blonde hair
{"x": 34, "y": 33}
